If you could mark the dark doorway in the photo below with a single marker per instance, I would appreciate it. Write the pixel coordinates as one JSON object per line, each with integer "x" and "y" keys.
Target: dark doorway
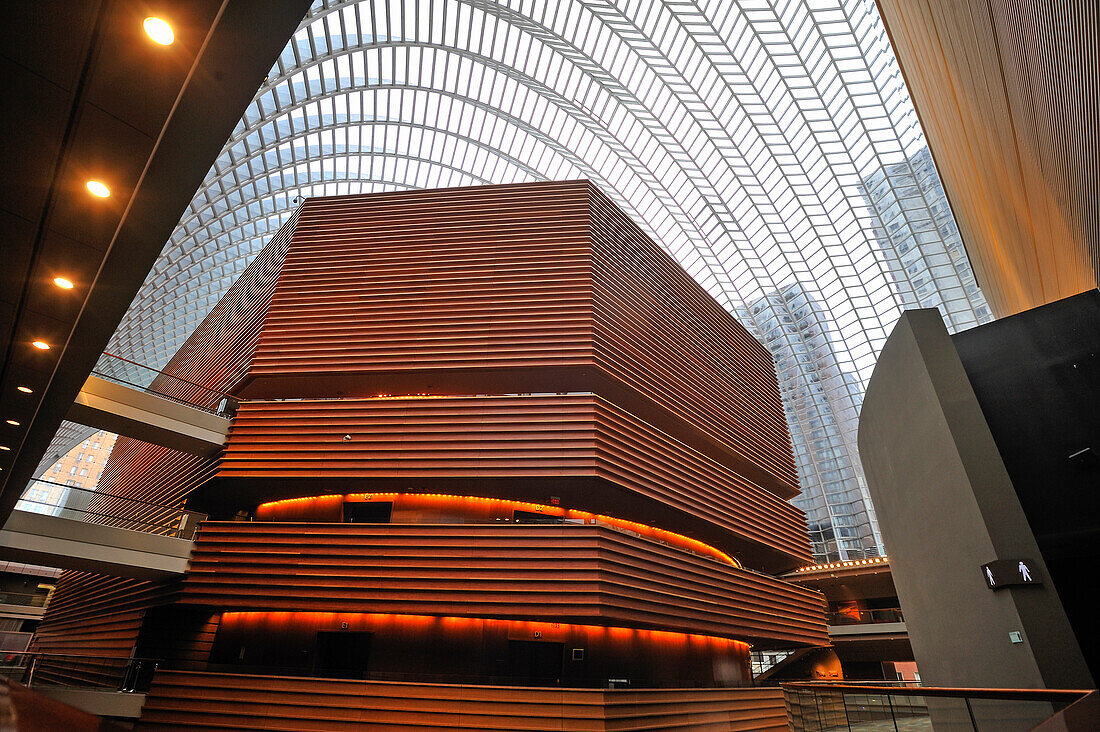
{"x": 342, "y": 654}
{"x": 367, "y": 513}
{"x": 537, "y": 663}
{"x": 531, "y": 517}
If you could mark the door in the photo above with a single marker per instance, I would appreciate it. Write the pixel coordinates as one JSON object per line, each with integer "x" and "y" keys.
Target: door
{"x": 342, "y": 654}
{"x": 537, "y": 663}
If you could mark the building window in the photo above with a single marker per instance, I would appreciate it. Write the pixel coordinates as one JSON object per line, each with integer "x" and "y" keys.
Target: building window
{"x": 84, "y": 471}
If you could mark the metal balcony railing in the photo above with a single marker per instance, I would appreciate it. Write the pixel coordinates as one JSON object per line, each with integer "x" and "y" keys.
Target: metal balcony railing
{"x": 860, "y": 617}
{"x": 80, "y": 504}
{"x": 87, "y": 672}
{"x": 841, "y": 707}
{"x": 145, "y": 378}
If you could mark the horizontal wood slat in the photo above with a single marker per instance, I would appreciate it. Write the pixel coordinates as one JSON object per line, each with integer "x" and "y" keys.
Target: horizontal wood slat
{"x": 98, "y": 615}
{"x": 570, "y": 573}
{"x": 578, "y": 435}
{"x": 536, "y": 278}
{"x": 185, "y": 700}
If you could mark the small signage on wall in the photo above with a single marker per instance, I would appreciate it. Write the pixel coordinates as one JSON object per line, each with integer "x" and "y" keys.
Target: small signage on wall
{"x": 1009, "y": 572}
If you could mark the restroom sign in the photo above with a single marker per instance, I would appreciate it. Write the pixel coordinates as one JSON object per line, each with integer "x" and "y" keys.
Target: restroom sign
{"x": 1008, "y": 572}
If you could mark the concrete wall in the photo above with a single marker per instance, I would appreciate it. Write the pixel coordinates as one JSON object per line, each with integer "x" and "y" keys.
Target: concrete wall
{"x": 946, "y": 506}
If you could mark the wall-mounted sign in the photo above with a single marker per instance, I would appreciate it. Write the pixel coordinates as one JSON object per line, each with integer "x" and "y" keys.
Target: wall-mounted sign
{"x": 1008, "y": 572}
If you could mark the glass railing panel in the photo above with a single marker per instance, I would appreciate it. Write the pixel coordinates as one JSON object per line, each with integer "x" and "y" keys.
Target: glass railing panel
{"x": 97, "y": 507}
{"x": 35, "y": 670}
{"x": 144, "y": 378}
{"x": 1003, "y": 715}
{"x": 821, "y": 707}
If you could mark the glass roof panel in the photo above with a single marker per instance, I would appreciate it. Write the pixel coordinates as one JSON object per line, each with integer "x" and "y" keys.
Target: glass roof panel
{"x": 770, "y": 146}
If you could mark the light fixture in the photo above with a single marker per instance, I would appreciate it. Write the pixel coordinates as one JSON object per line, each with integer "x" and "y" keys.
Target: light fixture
{"x": 12, "y": 422}
{"x": 97, "y": 189}
{"x": 42, "y": 345}
{"x": 63, "y": 283}
{"x": 25, "y": 389}
{"x": 159, "y": 31}
{"x": 5, "y": 448}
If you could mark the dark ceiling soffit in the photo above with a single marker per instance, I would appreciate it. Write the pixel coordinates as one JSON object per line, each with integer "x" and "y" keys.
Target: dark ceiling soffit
{"x": 240, "y": 50}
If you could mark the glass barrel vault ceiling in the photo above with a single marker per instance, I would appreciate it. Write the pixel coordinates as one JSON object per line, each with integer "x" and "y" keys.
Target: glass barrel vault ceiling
{"x": 771, "y": 147}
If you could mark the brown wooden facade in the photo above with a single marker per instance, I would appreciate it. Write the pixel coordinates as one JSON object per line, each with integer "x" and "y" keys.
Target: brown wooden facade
{"x": 523, "y": 342}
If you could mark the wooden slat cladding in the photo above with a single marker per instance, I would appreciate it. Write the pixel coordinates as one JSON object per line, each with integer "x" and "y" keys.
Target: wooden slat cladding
{"x": 216, "y": 356}
{"x": 160, "y": 475}
{"x": 95, "y": 615}
{"x": 98, "y": 615}
{"x": 516, "y": 437}
{"x": 1008, "y": 95}
{"x": 183, "y": 700}
{"x": 565, "y": 573}
{"x": 518, "y": 288}
{"x": 655, "y": 326}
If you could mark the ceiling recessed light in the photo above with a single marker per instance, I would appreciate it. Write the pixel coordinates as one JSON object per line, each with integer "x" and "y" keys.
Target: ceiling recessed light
{"x": 42, "y": 345}
{"x": 98, "y": 189}
{"x": 12, "y": 422}
{"x": 63, "y": 283}
{"x": 159, "y": 31}
{"x": 25, "y": 389}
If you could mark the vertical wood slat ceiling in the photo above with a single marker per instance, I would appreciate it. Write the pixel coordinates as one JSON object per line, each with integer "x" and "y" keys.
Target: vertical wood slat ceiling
{"x": 564, "y": 573}
{"x": 194, "y": 701}
{"x": 525, "y": 276}
{"x": 1008, "y": 93}
{"x": 517, "y": 437}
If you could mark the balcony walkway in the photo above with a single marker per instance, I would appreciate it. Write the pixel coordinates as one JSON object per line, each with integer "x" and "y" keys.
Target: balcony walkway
{"x": 147, "y": 416}
{"x": 72, "y": 528}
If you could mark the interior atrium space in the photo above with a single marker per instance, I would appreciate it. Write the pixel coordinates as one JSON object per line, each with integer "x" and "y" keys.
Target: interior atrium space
{"x": 550, "y": 364}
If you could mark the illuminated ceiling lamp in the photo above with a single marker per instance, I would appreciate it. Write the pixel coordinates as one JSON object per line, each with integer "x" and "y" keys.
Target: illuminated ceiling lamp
{"x": 97, "y": 189}
{"x": 159, "y": 30}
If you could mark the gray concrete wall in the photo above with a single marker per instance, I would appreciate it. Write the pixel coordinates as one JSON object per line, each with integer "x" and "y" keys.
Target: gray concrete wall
{"x": 946, "y": 506}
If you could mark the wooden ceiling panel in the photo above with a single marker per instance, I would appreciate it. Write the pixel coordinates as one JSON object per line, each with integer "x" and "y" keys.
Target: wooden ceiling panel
{"x": 1008, "y": 94}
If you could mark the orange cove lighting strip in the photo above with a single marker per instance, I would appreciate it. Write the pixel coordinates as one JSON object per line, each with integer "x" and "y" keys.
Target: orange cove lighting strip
{"x": 445, "y": 500}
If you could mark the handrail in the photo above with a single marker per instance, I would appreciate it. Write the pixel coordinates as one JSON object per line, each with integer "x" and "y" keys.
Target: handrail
{"x": 866, "y": 616}
{"x": 128, "y": 675}
{"x": 147, "y": 379}
{"x": 112, "y": 510}
{"x": 1040, "y": 695}
{"x": 99, "y": 493}
{"x": 177, "y": 378}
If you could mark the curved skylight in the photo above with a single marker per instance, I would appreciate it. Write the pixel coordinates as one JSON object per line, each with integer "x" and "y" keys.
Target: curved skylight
{"x": 769, "y": 146}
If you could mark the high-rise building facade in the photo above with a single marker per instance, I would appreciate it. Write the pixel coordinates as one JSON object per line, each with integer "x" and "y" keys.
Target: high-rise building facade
{"x": 920, "y": 243}
{"x": 79, "y": 468}
{"x": 821, "y": 402}
{"x": 487, "y": 437}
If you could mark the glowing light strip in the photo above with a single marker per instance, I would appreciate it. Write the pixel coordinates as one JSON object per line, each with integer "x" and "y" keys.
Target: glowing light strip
{"x": 842, "y": 565}
{"x": 668, "y": 537}
{"x": 556, "y": 627}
